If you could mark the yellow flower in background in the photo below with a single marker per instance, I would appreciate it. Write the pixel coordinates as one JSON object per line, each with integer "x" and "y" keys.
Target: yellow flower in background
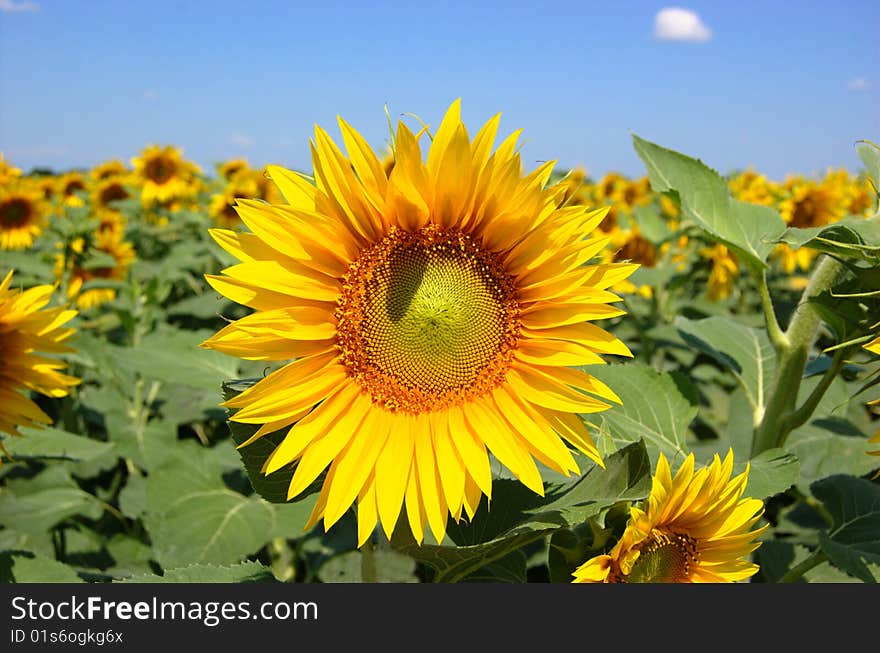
{"x": 8, "y": 172}
{"x": 109, "y": 170}
{"x": 749, "y": 186}
{"x": 232, "y": 168}
{"x": 107, "y": 242}
{"x": 812, "y": 204}
{"x": 724, "y": 272}
{"x": 436, "y": 315}
{"x": 695, "y": 527}
{"x": 628, "y": 245}
{"x": 27, "y": 331}
{"x": 22, "y": 216}
{"x": 70, "y": 186}
{"x": 792, "y": 260}
{"x": 164, "y": 175}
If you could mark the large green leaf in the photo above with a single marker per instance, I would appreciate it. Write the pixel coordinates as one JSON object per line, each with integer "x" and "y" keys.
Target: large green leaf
{"x": 518, "y": 517}
{"x": 869, "y": 153}
{"x": 53, "y": 443}
{"x": 853, "y": 237}
{"x": 390, "y": 567}
{"x": 242, "y": 572}
{"x": 25, "y": 567}
{"x": 193, "y": 517}
{"x": 34, "y": 505}
{"x": 654, "y": 406}
{"x": 853, "y": 540}
{"x": 751, "y": 230}
{"x": 745, "y": 351}
{"x": 770, "y": 472}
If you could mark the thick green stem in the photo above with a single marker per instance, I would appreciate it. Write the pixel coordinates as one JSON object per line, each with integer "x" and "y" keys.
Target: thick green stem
{"x": 805, "y": 411}
{"x": 792, "y": 359}
{"x": 795, "y": 573}
{"x": 778, "y": 339}
{"x": 368, "y": 563}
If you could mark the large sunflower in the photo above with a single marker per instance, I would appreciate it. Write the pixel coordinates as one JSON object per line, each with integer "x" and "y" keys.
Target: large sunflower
{"x": 435, "y": 314}
{"x": 27, "y": 329}
{"x": 693, "y": 528}
{"x": 22, "y": 216}
{"x": 164, "y": 174}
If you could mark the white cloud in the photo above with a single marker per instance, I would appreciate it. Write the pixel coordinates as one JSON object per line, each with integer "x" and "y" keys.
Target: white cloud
{"x": 12, "y": 6}
{"x": 677, "y": 24}
{"x": 150, "y": 95}
{"x": 242, "y": 140}
{"x": 858, "y": 84}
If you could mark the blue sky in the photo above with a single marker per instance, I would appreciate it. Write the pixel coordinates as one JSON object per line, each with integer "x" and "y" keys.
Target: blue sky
{"x": 784, "y": 86}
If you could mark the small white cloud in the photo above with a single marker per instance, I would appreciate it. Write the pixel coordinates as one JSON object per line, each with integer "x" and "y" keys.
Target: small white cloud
{"x": 677, "y": 24}
{"x": 11, "y": 6}
{"x": 858, "y": 84}
{"x": 242, "y": 140}
{"x": 151, "y": 95}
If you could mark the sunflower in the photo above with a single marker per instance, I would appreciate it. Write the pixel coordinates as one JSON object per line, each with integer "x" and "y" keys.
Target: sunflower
{"x": 8, "y": 172}
{"x": 749, "y": 186}
{"x": 232, "y": 168}
{"x": 243, "y": 184}
{"x": 164, "y": 174}
{"x": 70, "y": 186}
{"x": 724, "y": 272}
{"x": 435, "y": 314}
{"x": 693, "y": 528}
{"x": 630, "y": 245}
{"x": 108, "y": 242}
{"x": 22, "y": 216}
{"x": 109, "y": 170}
{"x": 27, "y": 329}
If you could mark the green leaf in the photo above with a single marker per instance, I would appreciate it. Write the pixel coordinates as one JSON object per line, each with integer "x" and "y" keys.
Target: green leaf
{"x": 770, "y": 472}
{"x": 26, "y": 567}
{"x": 193, "y": 517}
{"x": 869, "y": 153}
{"x": 853, "y": 540}
{"x": 34, "y": 505}
{"x": 391, "y": 567}
{"x": 52, "y": 443}
{"x": 518, "y": 517}
{"x": 173, "y": 356}
{"x": 745, "y": 351}
{"x": 852, "y": 237}
{"x": 750, "y": 229}
{"x": 243, "y": 572}
{"x": 654, "y": 406}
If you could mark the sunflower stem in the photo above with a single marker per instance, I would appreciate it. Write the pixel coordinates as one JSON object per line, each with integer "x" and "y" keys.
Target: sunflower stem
{"x": 368, "y": 563}
{"x": 795, "y": 573}
{"x": 792, "y": 360}
{"x": 805, "y": 411}
{"x": 777, "y": 338}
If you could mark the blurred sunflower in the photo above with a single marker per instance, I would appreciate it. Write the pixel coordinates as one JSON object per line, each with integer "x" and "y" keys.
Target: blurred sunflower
{"x": 109, "y": 170}
{"x": 164, "y": 175}
{"x": 725, "y": 270}
{"x": 107, "y": 242}
{"x": 233, "y": 167}
{"x": 70, "y": 187}
{"x": 242, "y": 185}
{"x": 435, "y": 313}
{"x": 693, "y": 528}
{"x": 28, "y": 329}
{"x": 8, "y": 172}
{"x": 22, "y": 216}
{"x": 749, "y": 186}
{"x": 629, "y": 245}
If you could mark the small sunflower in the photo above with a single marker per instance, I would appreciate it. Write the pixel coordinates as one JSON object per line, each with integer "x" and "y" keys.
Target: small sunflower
{"x": 232, "y": 168}
{"x": 164, "y": 175}
{"x": 435, "y": 315}
{"x": 108, "y": 242}
{"x": 22, "y": 216}
{"x": 693, "y": 528}
{"x": 221, "y": 209}
{"x": 725, "y": 270}
{"x": 70, "y": 187}
{"x": 109, "y": 170}
{"x": 749, "y": 186}
{"x": 27, "y": 330}
{"x": 8, "y": 172}
{"x": 812, "y": 204}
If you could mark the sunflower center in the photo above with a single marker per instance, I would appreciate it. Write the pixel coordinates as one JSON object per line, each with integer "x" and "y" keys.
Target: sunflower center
{"x": 15, "y": 212}
{"x": 665, "y": 558}
{"x": 427, "y": 320}
{"x": 160, "y": 170}
{"x": 112, "y": 193}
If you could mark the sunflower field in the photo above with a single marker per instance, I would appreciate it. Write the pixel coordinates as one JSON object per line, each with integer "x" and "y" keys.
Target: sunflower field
{"x": 436, "y": 362}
